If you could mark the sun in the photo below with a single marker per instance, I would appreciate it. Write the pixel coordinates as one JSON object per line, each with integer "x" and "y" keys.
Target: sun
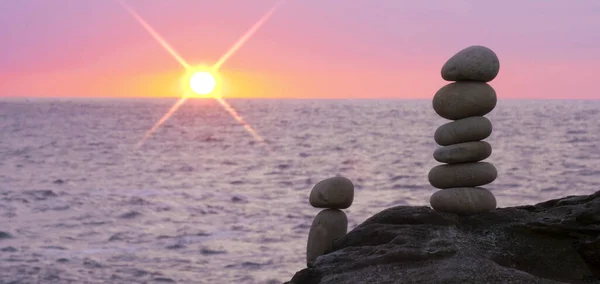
{"x": 203, "y": 82}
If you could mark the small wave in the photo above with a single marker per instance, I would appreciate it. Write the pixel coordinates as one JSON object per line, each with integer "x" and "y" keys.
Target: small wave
{"x": 5, "y": 235}
{"x": 130, "y": 215}
{"x": 207, "y": 251}
{"x": 163, "y": 280}
{"x": 239, "y": 199}
{"x": 54, "y": 247}
{"x": 400, "y": 177}
{"x": 8, "y": 249}
{"x": 42, "y": 194}
{"x": 90, "y": 263}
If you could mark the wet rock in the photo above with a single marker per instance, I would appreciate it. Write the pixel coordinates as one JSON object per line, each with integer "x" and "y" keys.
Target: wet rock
{"x": 463, "y": 200}
{"x": 335, "y": 192}
{"x": 474, "y": 63}
{"x": 464, "y": 99}
{"x": 543, "y": 243}
{"x": 463, "y": 130}
{"x": 462, "y": 175}
{"x": 468, "y": 152}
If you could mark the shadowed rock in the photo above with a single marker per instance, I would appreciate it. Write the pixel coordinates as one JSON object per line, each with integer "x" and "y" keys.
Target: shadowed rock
{"x": 556, "y": 241}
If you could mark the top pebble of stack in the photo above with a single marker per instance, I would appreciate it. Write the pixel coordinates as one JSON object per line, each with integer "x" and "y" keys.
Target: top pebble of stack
{"x": 334, "y": 193}
{"x": 474, "y": 63}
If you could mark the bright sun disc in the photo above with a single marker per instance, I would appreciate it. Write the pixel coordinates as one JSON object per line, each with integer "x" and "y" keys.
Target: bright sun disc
{"x": 202, "y": 83}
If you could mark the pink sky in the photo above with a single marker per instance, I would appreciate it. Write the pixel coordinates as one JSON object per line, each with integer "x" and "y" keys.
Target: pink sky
{"x": 308, "y": 49}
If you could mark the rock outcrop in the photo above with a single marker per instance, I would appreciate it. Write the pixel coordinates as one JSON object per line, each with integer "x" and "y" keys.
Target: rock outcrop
{"x": 557, "y": 241}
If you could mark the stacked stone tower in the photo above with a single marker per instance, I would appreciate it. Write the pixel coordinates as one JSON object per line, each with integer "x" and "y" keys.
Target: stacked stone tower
{"x": 333, "y": 194}
{"x": 465, "y": 101}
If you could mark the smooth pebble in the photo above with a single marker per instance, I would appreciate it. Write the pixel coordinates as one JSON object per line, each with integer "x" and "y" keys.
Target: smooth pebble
{"x": 462, "y": 175}
{"x": 327, "y": 226}
{"x": 474, "y": 63}
{"x": 335, "y": 192}
{"x": 463, "y": 200}
{"x": 463, "y": 130}
{"x": 467, "y": 152}
{"x": 464, "y": 99}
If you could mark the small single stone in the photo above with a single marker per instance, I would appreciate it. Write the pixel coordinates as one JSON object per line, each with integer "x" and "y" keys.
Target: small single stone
{"x": 463, "y": 200}
{"x": 463, "y": 130}
{"x": 462, "y": 175}
{"x": 327, "y": 226}
{"x": 474, "y": 63}
{"x": 468, "y": 152}
{"x": 464, "y": 99}
{"x": 335, "y": 192}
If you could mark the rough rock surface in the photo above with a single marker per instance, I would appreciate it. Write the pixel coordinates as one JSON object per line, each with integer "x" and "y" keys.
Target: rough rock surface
{"x": 557, "y": 241}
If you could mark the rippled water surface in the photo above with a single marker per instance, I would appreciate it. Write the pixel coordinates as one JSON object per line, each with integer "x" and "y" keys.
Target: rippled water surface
{"x": 203, "y": 202}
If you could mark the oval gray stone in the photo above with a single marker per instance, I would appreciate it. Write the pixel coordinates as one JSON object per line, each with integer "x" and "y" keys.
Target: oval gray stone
{"x": 327, "y": 226}
{"x": 468, "y": 129}
{"x": 464, "y": 99}
{"x": 474, "y": 63}
{"x": 467, "y": 152}
{"x": 462, "y": 175}
{"x": 335, "y": 192}
{"x": 463, "y": 200}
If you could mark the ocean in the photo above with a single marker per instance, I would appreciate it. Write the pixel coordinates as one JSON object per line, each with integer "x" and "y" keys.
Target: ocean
{"x": 202, "y": 201}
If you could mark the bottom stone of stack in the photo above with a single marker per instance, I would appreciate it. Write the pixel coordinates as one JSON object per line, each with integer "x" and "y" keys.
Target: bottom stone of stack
{"x": 463, "y": 200}
{"x": 327, "y": 226}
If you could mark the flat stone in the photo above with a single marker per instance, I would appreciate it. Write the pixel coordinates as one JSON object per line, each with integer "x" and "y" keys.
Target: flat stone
{"x": 327, "y": 226}
{"x": 462, "y": 175}
{"x": 463, "y": 130}
{"x": 463, "y": 200}
{"x": 474, "y": 63}
{"x": 468, "y": 152}
{"x": 335, "y": 192}
{"x": 464, "y": 99}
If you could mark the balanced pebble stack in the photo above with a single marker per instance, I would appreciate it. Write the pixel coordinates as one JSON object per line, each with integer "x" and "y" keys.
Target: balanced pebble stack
{"x": 465, "y": 101}
{"x": 333, "y": 194}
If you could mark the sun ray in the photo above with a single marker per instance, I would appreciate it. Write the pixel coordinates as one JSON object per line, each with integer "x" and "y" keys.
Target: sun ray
{"x": 165, "y": 117}
{"x": 155, "y": 35}
{"x": 239, "y": 118}
{"x": 245, "y": 37}
{"x": 236, "y": 46}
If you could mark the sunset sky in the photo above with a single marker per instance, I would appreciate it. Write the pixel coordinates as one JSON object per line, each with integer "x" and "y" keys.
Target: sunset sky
{"x": 308, "y": 48}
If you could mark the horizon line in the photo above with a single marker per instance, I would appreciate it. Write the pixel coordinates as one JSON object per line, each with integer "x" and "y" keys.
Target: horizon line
{"x": 273, "y": 98}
